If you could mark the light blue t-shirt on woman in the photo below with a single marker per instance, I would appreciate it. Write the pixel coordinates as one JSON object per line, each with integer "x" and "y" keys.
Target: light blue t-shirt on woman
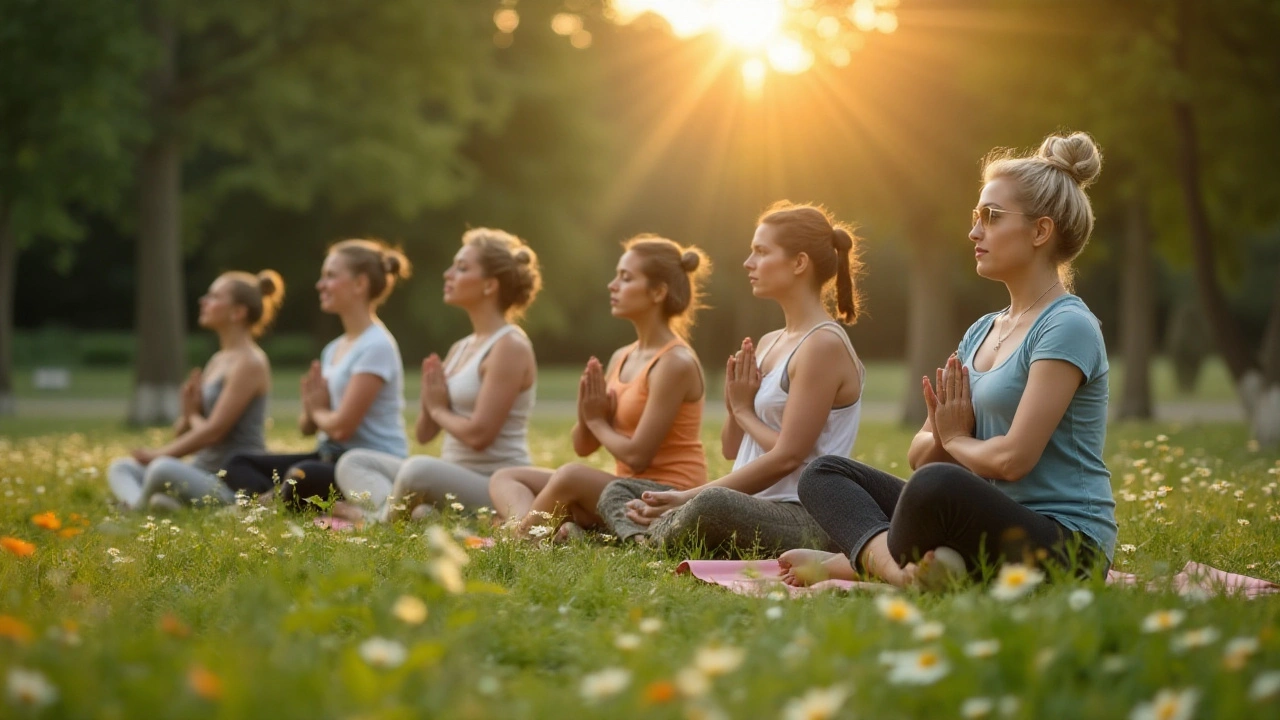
{"x": 1070, "y": 483}
{"x": 374, "y": 352}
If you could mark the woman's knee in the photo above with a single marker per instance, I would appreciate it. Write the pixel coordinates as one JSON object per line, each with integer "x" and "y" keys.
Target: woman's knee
{"x": 163, "y": 471}
{"x": 713, "y": 502}
{"x": 933, "y": 484}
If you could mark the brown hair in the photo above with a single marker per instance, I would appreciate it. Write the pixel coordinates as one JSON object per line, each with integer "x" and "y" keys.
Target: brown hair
{"x": 1050, "y": 183}
{"x": 376, "y": 260}
{"x": 511, "y": 262}
{"x": 260, "y": 294}
{"x": 681, "y": 269}
{"x": 830, "y": 245}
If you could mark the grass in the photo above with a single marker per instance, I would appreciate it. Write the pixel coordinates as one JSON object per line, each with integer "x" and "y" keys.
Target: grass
{"x": 886, "y": 382}
{"x": 227, "y": 614}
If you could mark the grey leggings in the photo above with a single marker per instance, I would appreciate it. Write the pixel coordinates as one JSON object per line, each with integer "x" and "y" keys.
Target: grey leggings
{"x": 388, "y": 487}
{"x": 724, "y": 521}
{"x": 942, "y": 505}
{"x": 135, "y": 484}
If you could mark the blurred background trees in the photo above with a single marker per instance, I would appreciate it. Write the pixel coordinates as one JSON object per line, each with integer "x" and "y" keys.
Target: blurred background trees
{"x": 252, "y": 135}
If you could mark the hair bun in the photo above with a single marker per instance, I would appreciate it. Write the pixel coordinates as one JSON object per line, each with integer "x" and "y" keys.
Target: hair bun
{"x": 522, "y": 256}
{"x": 1075, "y": 154}
{"x": 391, "y": 264}
{"x": 690, "y": 261}
{"x": 266, "y": 283}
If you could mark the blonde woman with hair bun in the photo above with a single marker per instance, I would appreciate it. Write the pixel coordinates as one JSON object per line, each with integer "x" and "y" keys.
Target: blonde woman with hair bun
{"x": 480, "y": 396}
{"x": 1009, "y": 465}
{"x": 353, "y": 396}
{"x": 224, "y": 405}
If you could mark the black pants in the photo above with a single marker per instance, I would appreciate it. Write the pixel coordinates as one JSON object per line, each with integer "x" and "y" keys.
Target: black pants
{"x": 944, "y": 504}
{"x": 299, "y": 476}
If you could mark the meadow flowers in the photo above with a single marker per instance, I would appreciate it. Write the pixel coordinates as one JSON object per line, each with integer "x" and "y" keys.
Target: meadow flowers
{"x": 47, "y": 520}
{"x": 1162, "y": 620}
{"x": 1168, "y": 705}
{"x": 16, "y": 630}
{"x": 605, "y": 683}
{"x": 1195, "y": 639}
{"x": 1238, "y": 651}
{"x": 1080, "y": 599}
{"x": 919, "y": 667}
{"x": 817, "y": 704}
{"x": 981, "y": 649}
{"x": 897, "y": 609}
{"x": 383, "y": 653}
{"x": 1015, "y": 580}
{"x": 20, "y": 548}
{"x": 627, "y": 641}
{"x": 204, "y": 683}
{"x": 1265, "y": 686}
{"x": 30, "y": 688}
{"x": 928, "y": 631}
{"x": 409, "y": 610}
{"x": 713, "y": 661}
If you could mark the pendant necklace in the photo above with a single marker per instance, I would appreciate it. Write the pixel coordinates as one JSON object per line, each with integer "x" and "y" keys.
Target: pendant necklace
{"x": 1004, "y": 337}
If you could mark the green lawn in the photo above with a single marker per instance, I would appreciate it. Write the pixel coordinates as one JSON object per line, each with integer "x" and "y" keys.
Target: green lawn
{"x": 246, "y": 614}
{"x": 886, "y": 381}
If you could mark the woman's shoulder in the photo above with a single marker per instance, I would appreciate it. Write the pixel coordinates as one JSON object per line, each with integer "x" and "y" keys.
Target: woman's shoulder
{"x": 1070, "y": 313}
{"x": 514, "y": 345}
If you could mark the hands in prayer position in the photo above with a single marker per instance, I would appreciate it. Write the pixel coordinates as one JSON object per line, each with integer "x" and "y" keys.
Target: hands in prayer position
{"x": 595, "y": 401}
{"x": 434, "y": 394}
{"x": 950, "y": 405}
{"x": 315, "y": 391}
{"x": 742, "y": 379}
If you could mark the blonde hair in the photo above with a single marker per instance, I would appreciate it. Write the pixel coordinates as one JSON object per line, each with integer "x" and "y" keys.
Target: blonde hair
{"x": 681, "y": 269}
{"x": 511, "y": 262}
{"x": 376, "y": 260}
{"x": 832, "y": 247}
{"x": 1051, "y": 183}
{"x": 261, "y": 295}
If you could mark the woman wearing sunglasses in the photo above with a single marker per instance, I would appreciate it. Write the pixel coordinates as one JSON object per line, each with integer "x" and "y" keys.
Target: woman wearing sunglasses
{"x": 1008, "y": 466}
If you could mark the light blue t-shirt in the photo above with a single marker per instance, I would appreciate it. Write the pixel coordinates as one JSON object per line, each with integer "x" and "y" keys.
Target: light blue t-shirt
{"x": 1070, "y": 483}
{"x": 374, "y": 352}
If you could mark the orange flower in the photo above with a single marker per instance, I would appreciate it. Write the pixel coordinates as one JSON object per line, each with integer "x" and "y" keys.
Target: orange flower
{"x": 659, "y": 691}
{"x": 171, "y": 625}
{"x": 78, "y": 519}
{"x": 47, "y": 520}
{"x": 16, "y": 630}
{"x": 21, "y": 548}
{"x": 475, "y": 542}
{"x": 204, "y": 683}
{"x": 69, "y": 532}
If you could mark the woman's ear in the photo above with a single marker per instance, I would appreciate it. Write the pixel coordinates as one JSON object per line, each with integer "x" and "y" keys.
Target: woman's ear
{"x": 800, "y": 263}
{"x": 658, "y": 293}
{"x": 1043, "y": 231}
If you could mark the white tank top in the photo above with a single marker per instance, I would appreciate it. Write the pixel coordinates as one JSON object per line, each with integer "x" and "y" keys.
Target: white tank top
{"x": 838, "y": 432}
{"x": 511, "y": 446}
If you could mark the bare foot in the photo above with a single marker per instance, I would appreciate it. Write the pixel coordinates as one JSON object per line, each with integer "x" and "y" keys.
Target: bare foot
{"x": 568, "y": 532}
{"x": 347, "y": 511}
{"x": 939, "y": 569}
{"x": 164, "y": 503}
{"x": 803, "y": 567}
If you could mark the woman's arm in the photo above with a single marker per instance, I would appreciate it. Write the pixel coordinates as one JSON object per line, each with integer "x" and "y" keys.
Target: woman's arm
{"x": 342, "y": 422}
{"x": 244, "y": 379}
{"x": 742, "y": 382}
{"x": 507, "y": 371}
{"x": 1051, "y": 385}
{"x": 926, "y": 446}
{"x": 673, "y": 379}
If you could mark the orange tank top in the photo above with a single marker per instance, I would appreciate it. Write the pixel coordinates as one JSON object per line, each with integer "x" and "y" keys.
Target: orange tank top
{"x": 680, "y": 461}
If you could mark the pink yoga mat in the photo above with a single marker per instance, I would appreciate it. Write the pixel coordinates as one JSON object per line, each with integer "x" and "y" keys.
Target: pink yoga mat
{"x": 761, "y": 577}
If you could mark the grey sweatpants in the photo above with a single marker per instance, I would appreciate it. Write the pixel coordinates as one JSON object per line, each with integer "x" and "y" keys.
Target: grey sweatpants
{"x": 388, "y": 487}
{"x": 134, "y": 484}
{"x": 724, "y": 521}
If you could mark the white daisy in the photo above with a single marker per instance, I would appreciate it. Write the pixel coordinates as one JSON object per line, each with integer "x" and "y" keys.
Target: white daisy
{"x": 928, "y": 631}
{"x": 383, "y": 653}
{"x": 1015, "y": 580}
{"x": 816, "y": 704}
{"x": 1168, "y": 705}
{"x": 982, "y": 649}
{"x": 920, "y": 667}
{"x": 30, "y": 688}
{"x": 605, "y": 683}
{"x": 649, "y": 626}
{"x": 627, "y": 641}
{"x": 1162, "y": 620}
{"x": 691, "y": 682}
{"x": 977, "y": 707}
{"x": 896, "y": 608}
{"x": 1238, "y": 651}
{"x": 1192, "y": 639}
{"x": 1265, "y": 686}
{"x": 713, "y": 661}
{"x": 1080, "y": 599}
{"x": 410, "y": 610}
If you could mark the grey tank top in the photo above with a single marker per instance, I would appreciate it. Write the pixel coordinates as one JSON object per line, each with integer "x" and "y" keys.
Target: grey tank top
{"x": 245, "y": 436}
{"x": 511, "y": 447}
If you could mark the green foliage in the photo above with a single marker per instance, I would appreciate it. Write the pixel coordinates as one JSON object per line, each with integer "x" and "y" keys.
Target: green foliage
{"x": 69, "y": 107}
{"x": 256, "y": 613}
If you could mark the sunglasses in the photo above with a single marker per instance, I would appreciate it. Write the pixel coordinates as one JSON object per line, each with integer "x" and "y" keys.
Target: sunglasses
{"x": 988, "y": 215}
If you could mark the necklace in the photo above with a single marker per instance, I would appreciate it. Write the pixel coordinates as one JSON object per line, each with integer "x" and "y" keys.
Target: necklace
{"x": 1004, "y": 337}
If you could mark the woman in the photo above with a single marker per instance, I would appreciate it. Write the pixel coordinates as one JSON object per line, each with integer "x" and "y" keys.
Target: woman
{"x": 801, "y": 399}
{"x": 223, "y": 408}
{"x": 645, "y": 409}
{"x": 1008, "y": 466}
{"x": 353, "y": 397}
{"x": 480, "y": 396}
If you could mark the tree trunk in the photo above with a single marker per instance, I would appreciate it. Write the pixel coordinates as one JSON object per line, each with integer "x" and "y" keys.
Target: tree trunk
{"x": 1137, "y": 312}
{"x": 159, "y": 316}
{"x": 8, "y": 276}
{"x": 1266, "y": 411}
{"x": 929, "y": 318}
{"x": 1226, "y": 332}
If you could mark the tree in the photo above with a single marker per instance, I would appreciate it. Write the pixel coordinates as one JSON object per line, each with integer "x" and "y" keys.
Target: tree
{"x": 350, "y": 102}
{"x": 68, "y": 108}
